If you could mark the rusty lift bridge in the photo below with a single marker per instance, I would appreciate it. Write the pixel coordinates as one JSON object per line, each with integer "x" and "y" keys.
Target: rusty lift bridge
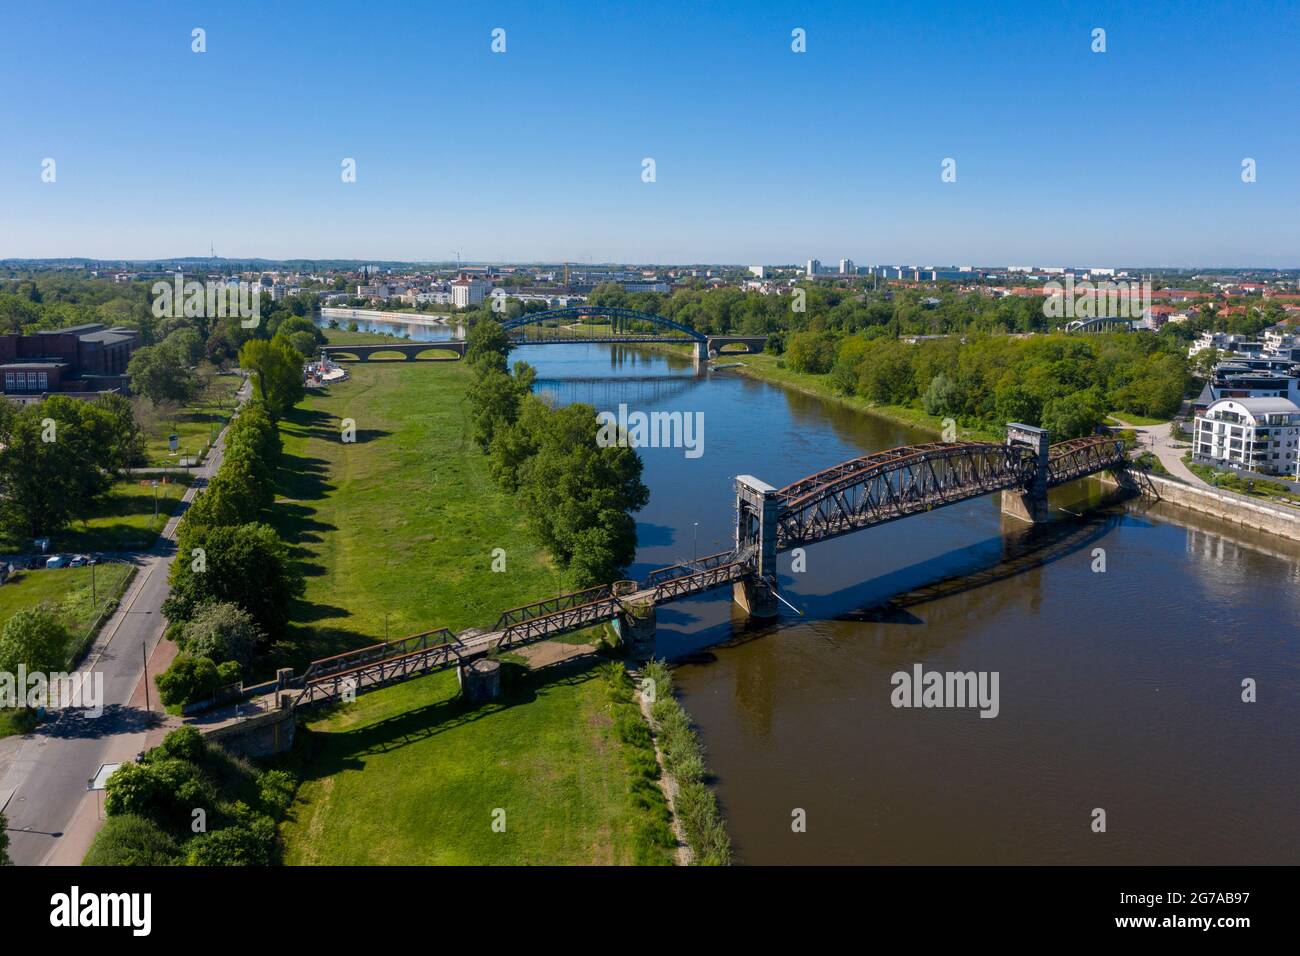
{"x": 848, "y": 497}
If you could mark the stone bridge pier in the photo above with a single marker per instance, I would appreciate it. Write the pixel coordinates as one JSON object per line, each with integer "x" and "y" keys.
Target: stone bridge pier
{"x": 1030, "y": 503}
{"x": 756, "y": 517}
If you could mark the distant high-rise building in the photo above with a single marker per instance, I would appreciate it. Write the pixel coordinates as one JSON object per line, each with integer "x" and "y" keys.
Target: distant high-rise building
{"x": 846, "y": 267}
{"x": 814, "y": 267}
{"x": 759, "y": 272}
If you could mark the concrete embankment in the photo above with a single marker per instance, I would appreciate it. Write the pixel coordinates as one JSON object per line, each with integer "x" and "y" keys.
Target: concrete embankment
{"x": 1239, "y": 509}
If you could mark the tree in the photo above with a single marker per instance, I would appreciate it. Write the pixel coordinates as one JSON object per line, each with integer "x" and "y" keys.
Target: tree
{"x": 578, "y": 495}
{"x": 4, "y": 842}
{"x": 941, "y": 397}
{"x": 276, "y": 368}
{"x": 487, "y": 343}
{"x": 495, "y": 397}
{"x": 246, "y": 564}
{"x": 1073, "y": 416}
{"x": 161, "y": 374}
{"x": 222, "y": 632}
{"x": 36, "y": 639}
{"x": 56, "y": 458}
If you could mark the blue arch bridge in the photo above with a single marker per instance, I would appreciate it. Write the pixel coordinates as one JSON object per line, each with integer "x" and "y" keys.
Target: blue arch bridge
{"x": 572, "y": 326}
{"x": 850, "y": 497}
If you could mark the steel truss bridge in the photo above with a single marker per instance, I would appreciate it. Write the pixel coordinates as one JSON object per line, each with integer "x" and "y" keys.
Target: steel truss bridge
{"x": 893, "y": 484}
{"x": 848, "y": 497}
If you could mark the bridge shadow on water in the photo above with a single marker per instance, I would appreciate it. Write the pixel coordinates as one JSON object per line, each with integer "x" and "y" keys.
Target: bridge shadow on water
{"x": 1017, "y": 553}
{"x": 322, "y": 753}
{"x": 898, "y": 596}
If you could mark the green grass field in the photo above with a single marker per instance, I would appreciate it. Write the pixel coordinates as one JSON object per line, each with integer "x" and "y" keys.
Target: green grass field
{"x": 411, "y": 775}
{"x": 69, "y": 592}
{"x": 194, "y": 425}
{"x": 123, "y": 521}
{"x": 395, "y": 533}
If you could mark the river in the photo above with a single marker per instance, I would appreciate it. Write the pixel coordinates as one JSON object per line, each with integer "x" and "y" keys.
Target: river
{"x": 1119, "y": 690}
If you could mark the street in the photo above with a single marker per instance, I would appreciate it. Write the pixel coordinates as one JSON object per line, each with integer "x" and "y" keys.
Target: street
{"x": 43, "y": 776}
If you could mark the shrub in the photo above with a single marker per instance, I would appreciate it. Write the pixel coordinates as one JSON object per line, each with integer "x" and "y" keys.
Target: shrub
{"x": 183, "y": 743}
{"x": 243, "y": 844}
{"x": 35, "y": 638}
{"x": 188, "y": 679}
{"x": 223, "y": 632}
{"x": 275, "y": 790}
{"x": 131, "y": 840}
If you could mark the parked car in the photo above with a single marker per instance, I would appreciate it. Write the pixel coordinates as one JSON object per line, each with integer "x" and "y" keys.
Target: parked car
{"x": 79, "y": 560}
{"x": 58, "y": 561}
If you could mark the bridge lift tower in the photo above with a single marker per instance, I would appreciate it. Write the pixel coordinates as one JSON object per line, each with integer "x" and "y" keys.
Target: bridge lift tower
{"x": 756, "y": 517}
{"x": 1029, "y": 503}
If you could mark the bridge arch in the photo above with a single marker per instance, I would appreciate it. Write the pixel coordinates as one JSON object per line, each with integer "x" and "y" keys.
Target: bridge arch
{"x": 587, "y": 311}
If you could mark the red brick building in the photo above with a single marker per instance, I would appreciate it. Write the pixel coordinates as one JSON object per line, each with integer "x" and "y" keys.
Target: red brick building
{"x": 82, "y": 359}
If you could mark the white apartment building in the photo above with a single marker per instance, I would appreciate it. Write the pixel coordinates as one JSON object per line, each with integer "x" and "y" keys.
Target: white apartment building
{"x": 466, "y": 291}
{"x": 1254, "y": 434}
{"x": 758, "y": 272}
{"x": 846, "y": 267}
{"x": 814, "y": 267}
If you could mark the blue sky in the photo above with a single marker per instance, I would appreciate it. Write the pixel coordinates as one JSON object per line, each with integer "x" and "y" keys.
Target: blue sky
{"x": 1132, "y": 156}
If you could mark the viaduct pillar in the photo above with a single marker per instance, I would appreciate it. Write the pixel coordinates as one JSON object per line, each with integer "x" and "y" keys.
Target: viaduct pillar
{"x": 1029, "y": 503}
{"x": 756, "y": 513}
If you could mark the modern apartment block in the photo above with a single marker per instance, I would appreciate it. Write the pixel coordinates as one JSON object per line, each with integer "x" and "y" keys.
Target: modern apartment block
{"x": 1254, "y": 434}
{"x": 81, "y": 359}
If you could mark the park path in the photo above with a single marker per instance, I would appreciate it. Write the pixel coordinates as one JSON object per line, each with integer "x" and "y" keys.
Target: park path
{"x": 1159, "y": 440}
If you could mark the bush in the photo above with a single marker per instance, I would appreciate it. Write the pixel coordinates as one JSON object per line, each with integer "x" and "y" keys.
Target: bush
{"x": 131, "y": 840}
{"x": 183, "y": 743}
{"x": 163, "y": 790}
{"x": 35, "y": 638}
{"x": 244, "y": 844}
{"x": 275, "y": 790}
{"x": 223, "y": 632}
{"x": 193, "y": 678}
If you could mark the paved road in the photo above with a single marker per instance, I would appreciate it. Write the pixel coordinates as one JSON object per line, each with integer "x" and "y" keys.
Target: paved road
{"x": 1156, "y": 439}
{"x": 52, "y": 817}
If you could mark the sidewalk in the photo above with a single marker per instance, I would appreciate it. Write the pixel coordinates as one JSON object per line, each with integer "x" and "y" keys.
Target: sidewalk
{"x": 1158, "y": 440}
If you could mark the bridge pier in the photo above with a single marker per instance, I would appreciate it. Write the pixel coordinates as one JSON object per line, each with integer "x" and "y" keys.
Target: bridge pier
{"x": 757, "y": 508}
{"x": 701, "y": 354}
{"x": 637, "y": 626}
{"x": 754, "y": 596}
{"x": 1029, "y": 503}
{"x": 480, "y": 679}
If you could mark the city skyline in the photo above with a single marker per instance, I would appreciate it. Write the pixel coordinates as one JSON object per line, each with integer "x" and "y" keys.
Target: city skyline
{"x": 761, "y": 154}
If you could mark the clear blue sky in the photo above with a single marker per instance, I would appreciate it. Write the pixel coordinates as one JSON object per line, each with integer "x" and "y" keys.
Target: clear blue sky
{"x": 1063, "y": 156}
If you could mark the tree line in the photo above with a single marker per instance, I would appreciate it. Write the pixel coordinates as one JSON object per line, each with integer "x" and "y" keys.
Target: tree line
{"x": 233, "y": 580}
{"x": 1064, "y": 383}
{"x": 578, "y": 496}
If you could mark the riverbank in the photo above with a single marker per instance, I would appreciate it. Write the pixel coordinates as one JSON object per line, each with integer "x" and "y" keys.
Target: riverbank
{"x": 398, "y": 533}
{"x": 769, "y": 368}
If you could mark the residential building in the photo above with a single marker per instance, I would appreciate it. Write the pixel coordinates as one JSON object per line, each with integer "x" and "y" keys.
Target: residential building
{"x": 758, "y": 272}
{"x": 467, "y": 291}
{"x": 814, "y": 267}
{"x": 846, "y": 267}
{"x": 1253, "y": 434}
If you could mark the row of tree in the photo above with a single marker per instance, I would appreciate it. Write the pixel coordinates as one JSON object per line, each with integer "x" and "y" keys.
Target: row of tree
{"x": 579, "y": 496}
{"x": 233, "y": 580}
